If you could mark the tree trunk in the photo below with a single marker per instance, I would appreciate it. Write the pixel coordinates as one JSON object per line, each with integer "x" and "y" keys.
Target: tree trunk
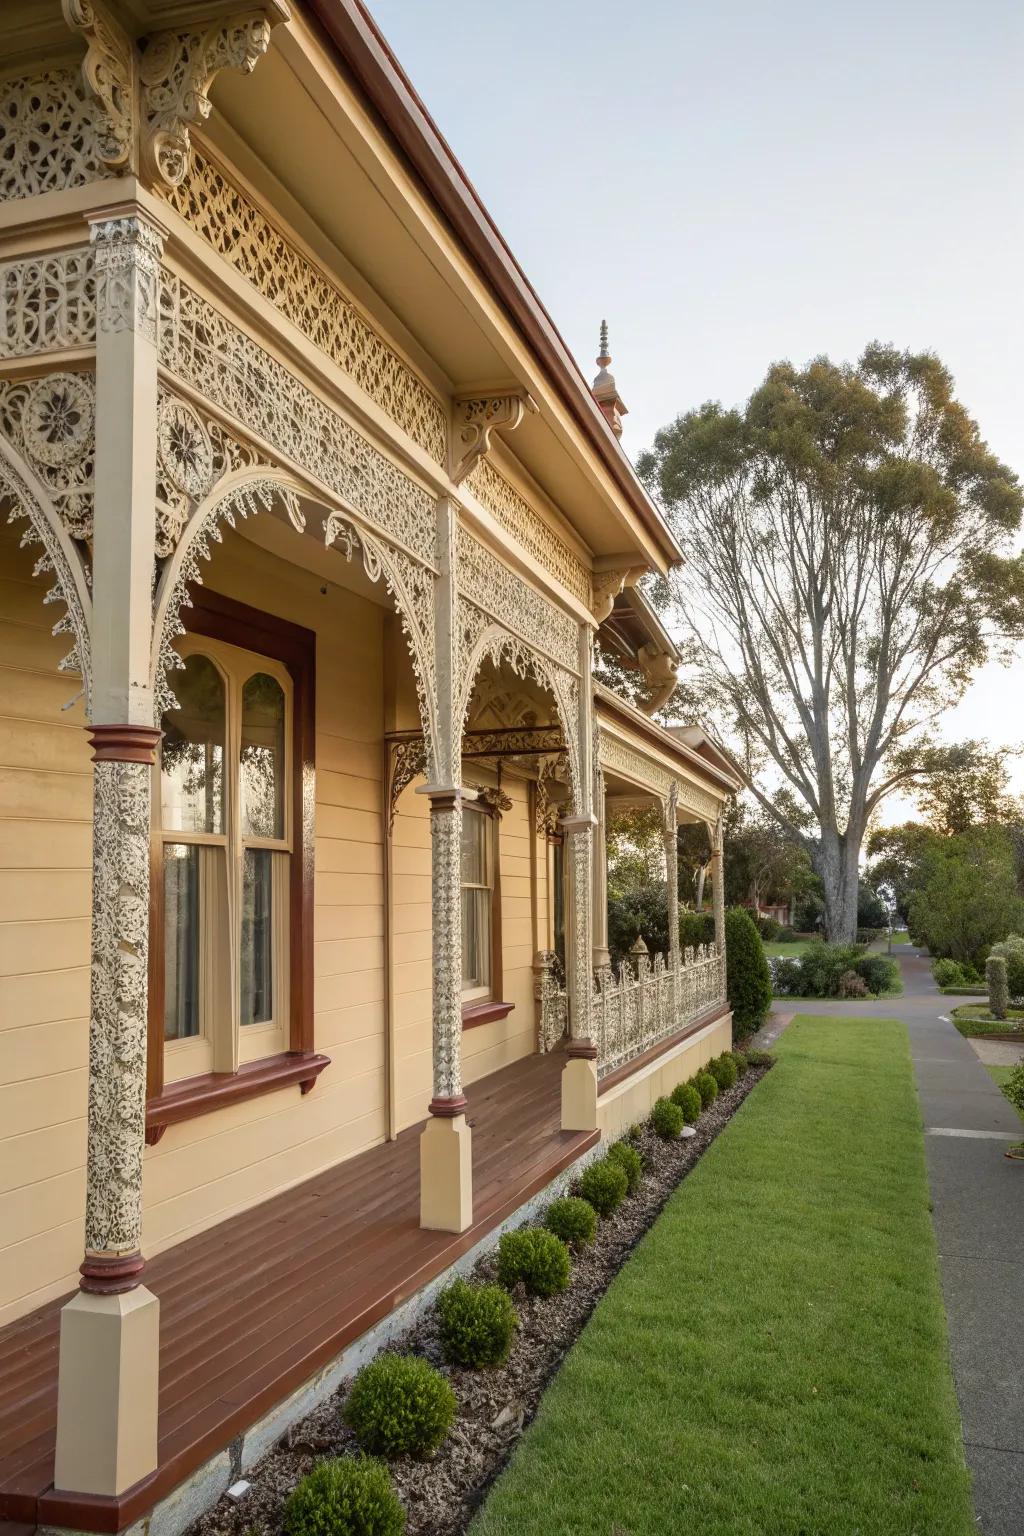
{"x": 836, "y": 863}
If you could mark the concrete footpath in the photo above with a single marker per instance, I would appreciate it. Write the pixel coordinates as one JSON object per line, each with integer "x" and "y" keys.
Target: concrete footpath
{"x": 978, "y": 1212}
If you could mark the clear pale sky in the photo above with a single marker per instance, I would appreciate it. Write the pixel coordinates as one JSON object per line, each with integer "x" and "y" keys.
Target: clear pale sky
{"x": 731, "y": 183}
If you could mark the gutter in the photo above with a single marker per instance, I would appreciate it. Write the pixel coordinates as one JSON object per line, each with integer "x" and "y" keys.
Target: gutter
{"x": 366, "y": 57}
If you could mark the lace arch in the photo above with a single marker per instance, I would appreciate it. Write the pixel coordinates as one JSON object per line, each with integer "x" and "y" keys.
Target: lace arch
{"x": 60, "y": 558}
{"x": 246, "y": 493}
{"x": 500, "y": 647}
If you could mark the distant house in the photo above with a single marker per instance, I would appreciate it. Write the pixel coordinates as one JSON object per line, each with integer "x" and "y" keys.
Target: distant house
{"x": 301, "y": 802}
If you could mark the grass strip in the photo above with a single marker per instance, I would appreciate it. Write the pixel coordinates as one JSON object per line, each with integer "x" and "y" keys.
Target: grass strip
{"x": 773, "y": 1358}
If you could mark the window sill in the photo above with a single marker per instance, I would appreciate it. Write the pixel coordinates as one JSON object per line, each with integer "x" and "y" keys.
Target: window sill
{"x": 194, "y": 1096}
{"x": 484, "y": 1012}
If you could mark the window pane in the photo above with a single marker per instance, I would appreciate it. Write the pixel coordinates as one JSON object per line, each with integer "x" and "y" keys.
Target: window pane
{"x": 181, "y": 941}
{"x": 257, "y": 937}
{"x": 474, "y": 848}
{"x": 476, "y": 938}
{"x": 192, "y": 751}
{"x": 262, "y": 772}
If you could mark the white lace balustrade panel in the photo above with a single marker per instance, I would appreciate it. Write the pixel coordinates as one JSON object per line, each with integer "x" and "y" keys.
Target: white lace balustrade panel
{"x": 49, "y": 135}
{"x": 203, "y": 348}
{"x": 553, "y": 1001}
{"x": 230, "y": 222}
{"x": 47, "y": 303}
{"x": 522, "y": 522}
{"x": 635, "y": 1007}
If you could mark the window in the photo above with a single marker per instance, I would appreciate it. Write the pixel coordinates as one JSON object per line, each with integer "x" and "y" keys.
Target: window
{"x": 231, "y": 929}
{"x": 477, "y": 902}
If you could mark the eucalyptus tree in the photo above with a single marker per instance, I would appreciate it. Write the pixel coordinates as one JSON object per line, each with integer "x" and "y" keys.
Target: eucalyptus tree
{"x": 849, "y": 563}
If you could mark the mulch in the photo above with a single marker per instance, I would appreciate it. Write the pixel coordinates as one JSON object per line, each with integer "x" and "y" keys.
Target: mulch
{"x": 442, "y": 1494}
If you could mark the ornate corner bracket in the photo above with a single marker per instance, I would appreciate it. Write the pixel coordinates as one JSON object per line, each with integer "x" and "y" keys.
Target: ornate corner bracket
{"x": 150, "y": 98}
{"x": 176, "y": 72}
{"x": 110, "y": 73}
{"x": 477, "y": 417}
{"x": 661, "y": 674}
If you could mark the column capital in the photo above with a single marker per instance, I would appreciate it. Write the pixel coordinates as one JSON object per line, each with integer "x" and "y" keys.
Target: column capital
{"x": 578, "y": 823}
{"x": 445, "y": 797}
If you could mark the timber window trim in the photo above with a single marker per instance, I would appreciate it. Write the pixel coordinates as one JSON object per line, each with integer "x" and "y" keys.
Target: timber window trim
{"x": 290, "y": 651}
{"x": 482, "y": 1004}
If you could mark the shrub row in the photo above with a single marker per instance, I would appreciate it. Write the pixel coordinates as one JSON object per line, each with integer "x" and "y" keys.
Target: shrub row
{"x": 833, "y": 970}
{"x": 401, "y": 1405}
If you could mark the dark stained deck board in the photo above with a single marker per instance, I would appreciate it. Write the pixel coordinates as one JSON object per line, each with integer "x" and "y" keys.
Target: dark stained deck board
{"x": 254, "y": 1306}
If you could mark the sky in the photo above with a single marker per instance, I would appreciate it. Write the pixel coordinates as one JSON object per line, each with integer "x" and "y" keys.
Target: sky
{"x": 730, "y": 183}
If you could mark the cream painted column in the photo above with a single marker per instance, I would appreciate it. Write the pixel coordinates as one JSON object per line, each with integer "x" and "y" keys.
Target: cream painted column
{"x": 602, "y": 955}
{"x": 671, "y": 831}
{"x": 446, "y": 1144}
{"x": 579, "y": 1076}
{"x": 110, "y": 1335}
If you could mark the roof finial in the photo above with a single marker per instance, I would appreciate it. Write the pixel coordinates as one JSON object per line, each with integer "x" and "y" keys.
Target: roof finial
{"x": 604, "y": 356}
{"x": 604, "y": 388}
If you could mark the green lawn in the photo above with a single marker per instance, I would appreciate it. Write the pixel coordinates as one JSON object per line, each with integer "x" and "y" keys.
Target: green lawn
{"x": 790, "y": 951}
{"x": 901, "y": 937}
{"x": 773, "y": 1359}
{"x": 976, "y": 1019}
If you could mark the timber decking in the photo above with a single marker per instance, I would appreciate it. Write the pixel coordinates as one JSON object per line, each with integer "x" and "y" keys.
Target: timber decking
{"x": 251, "y": 1308}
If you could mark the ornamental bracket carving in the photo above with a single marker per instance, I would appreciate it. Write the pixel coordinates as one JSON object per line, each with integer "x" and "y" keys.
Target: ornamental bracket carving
{"x": 150, "y": 97}
{"x": 477, "y": 417}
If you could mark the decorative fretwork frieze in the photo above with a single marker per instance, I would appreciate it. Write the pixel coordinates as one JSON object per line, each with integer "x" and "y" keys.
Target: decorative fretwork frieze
{"x": 619, "y": 756}
{"x": 496, "y": 590}
{"x": 176, "y": 71}
{"x": 477, "y": 417}
{"x": 516, "y": 516}
{"x": 51, "y": 422}
{"x": 52, "y": 135}
{"x": 47, "y": 303}
{"x": 229, "y": 221}
{"x": 206, "y": 351}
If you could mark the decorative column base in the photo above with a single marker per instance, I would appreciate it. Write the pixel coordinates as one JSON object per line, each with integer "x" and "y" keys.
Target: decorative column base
{"x": 107, "y": 1392}
{"x": 579, "y": 1088}
{"x": 446, "y": 1168}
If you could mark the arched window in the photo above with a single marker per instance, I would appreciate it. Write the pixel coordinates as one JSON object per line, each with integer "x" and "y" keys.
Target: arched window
{"x": 231, "y": 937}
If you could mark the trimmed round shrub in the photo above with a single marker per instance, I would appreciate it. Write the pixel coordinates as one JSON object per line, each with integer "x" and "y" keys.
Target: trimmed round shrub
{"x": 400, "y": 1405}
{"x": 534, "y": 1258}
{"x": 748, "y": 980}
{"x": 998, "y": 988}
{"x": 741, "y": 1062}
{"x": 667, "y": 1120}
{"x": 879, "y": 973}
{"x": 948, "y": 973}
{"x": 852, "y": 985}
{"x": 605, "y": 1185}
{"x": 345, "y": 1496}
{"x": 1014, "y": 1085}
{"x": 723, "y": 1070}
{"x": 688, "y": 1099}
{"x": 573, "y": 1220}
{"x": 478, "y": 1324}
{"x": 630, "y": 1161}
{"x": 787, "y": 976}
{"x": 707, "y": 1088}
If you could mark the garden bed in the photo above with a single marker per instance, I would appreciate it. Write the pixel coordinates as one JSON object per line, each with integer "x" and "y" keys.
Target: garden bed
{"x": 975, "y": 1019}
{"x": 494, "y": 1406}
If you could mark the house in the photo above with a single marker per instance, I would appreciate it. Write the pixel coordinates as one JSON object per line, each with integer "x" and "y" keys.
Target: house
{"x": 303, "y": 982}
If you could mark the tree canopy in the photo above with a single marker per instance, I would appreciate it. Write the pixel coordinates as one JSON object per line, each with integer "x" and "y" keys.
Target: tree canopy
{"x": 850, "y": 562}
